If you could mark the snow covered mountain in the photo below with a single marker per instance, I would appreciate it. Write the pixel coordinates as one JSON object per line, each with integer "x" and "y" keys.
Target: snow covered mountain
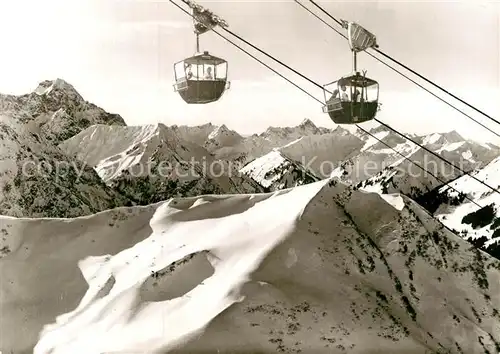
{"x": 195, "y": 134}
{"x": 306, "y": 128}
{"x": 353, "y": 156}
{"x": 151, "y": 163}
{"x": 304, "y": 160}
{"x": 229, "y": 145}
{"x": 381, "y": 149}
{"x": 402, "y": 174}
{"x": 56, "y": 109}
{"x": 305, "y": 270}
{"x": 221, "y": 136}
{"x": 56, "y": 117}
{"x": 322, "y": 153}
{"x": 36, "y": 178}
{"x": 257, "y": 145}
{"x": 462, "y": 152}
{"x": 275, "y": 171}
{"x": 377, "y": 161}
{"x": 470, "y": 207}
{"x": 375, "y": 167}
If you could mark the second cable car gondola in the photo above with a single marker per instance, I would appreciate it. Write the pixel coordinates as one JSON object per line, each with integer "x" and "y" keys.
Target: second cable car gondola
{"x": 201, "y": 78}
{"x": 353, "y": 98}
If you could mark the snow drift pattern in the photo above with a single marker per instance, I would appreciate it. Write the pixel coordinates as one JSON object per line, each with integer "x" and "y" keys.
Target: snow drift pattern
{"x": 301, "y": 269}
{"x": 218, "y": 224}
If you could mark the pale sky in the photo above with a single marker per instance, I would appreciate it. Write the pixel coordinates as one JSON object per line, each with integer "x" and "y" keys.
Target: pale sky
{"x": 119, "y": 54}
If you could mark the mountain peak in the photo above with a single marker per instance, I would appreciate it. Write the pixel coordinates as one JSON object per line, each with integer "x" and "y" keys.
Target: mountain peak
{"x": 453, "y": 136}
{"x": 161, "y": 126}
{"x": 57, "y": 110}
{"x": 222, "y": 136}
{"x": 341, "y": 131}
{"x": 307, "y": 123}
{"x": 47, "y": 86}
{"x": 443, "y": 138}
{"x": 221, "y": 130}
{"x": 206, "y": 125}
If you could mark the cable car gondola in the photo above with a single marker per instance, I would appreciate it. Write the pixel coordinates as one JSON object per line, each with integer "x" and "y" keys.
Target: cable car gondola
{"x": 201, "y": 78}
{"x": 353, "y": 98}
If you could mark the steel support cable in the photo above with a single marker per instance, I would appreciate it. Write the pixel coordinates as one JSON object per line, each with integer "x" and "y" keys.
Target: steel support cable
{"x": 411, "y": 70}
{"x": 405, "y": 76}
{"x": 268, "y": 55}
{"x": 319, "y": 18}
{"x": 402, "y": 135}
{"x": 251, "y": 55}
{"x": 438, "y": 86}
{"x": 276, "y": 60}
{"x": 259, "y": 50}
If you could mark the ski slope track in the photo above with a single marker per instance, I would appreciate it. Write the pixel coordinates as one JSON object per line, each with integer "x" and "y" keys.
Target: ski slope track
{"x": 303, "y": 269}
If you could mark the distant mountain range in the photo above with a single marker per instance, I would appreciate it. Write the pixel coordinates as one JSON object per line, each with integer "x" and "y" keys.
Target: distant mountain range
{"x": 110, "y": 164}
{"x": 155, "y": 238}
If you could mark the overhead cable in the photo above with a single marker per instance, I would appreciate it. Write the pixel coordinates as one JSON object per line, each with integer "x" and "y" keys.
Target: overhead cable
{"x": 400, "y": 73}
{"x": 411, "y": 70}
{"x": 386, "y": 125}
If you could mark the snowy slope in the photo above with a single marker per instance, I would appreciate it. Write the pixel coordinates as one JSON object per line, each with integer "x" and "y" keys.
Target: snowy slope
{"x": 406, "y": 177}
{"x": 231, "y": 274}
{"x": 374, "y": 156}
{"x": 56, "y": 110}
{"x": 274, "y": 171}
{"x": 459, "y": 150}
{"x": 323, "y": 153}
{"x": 377, "y": 160}
{"x": 477, "y": 218}
{"x": 303, "y": 160}
{"x": 150, "y": 163}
